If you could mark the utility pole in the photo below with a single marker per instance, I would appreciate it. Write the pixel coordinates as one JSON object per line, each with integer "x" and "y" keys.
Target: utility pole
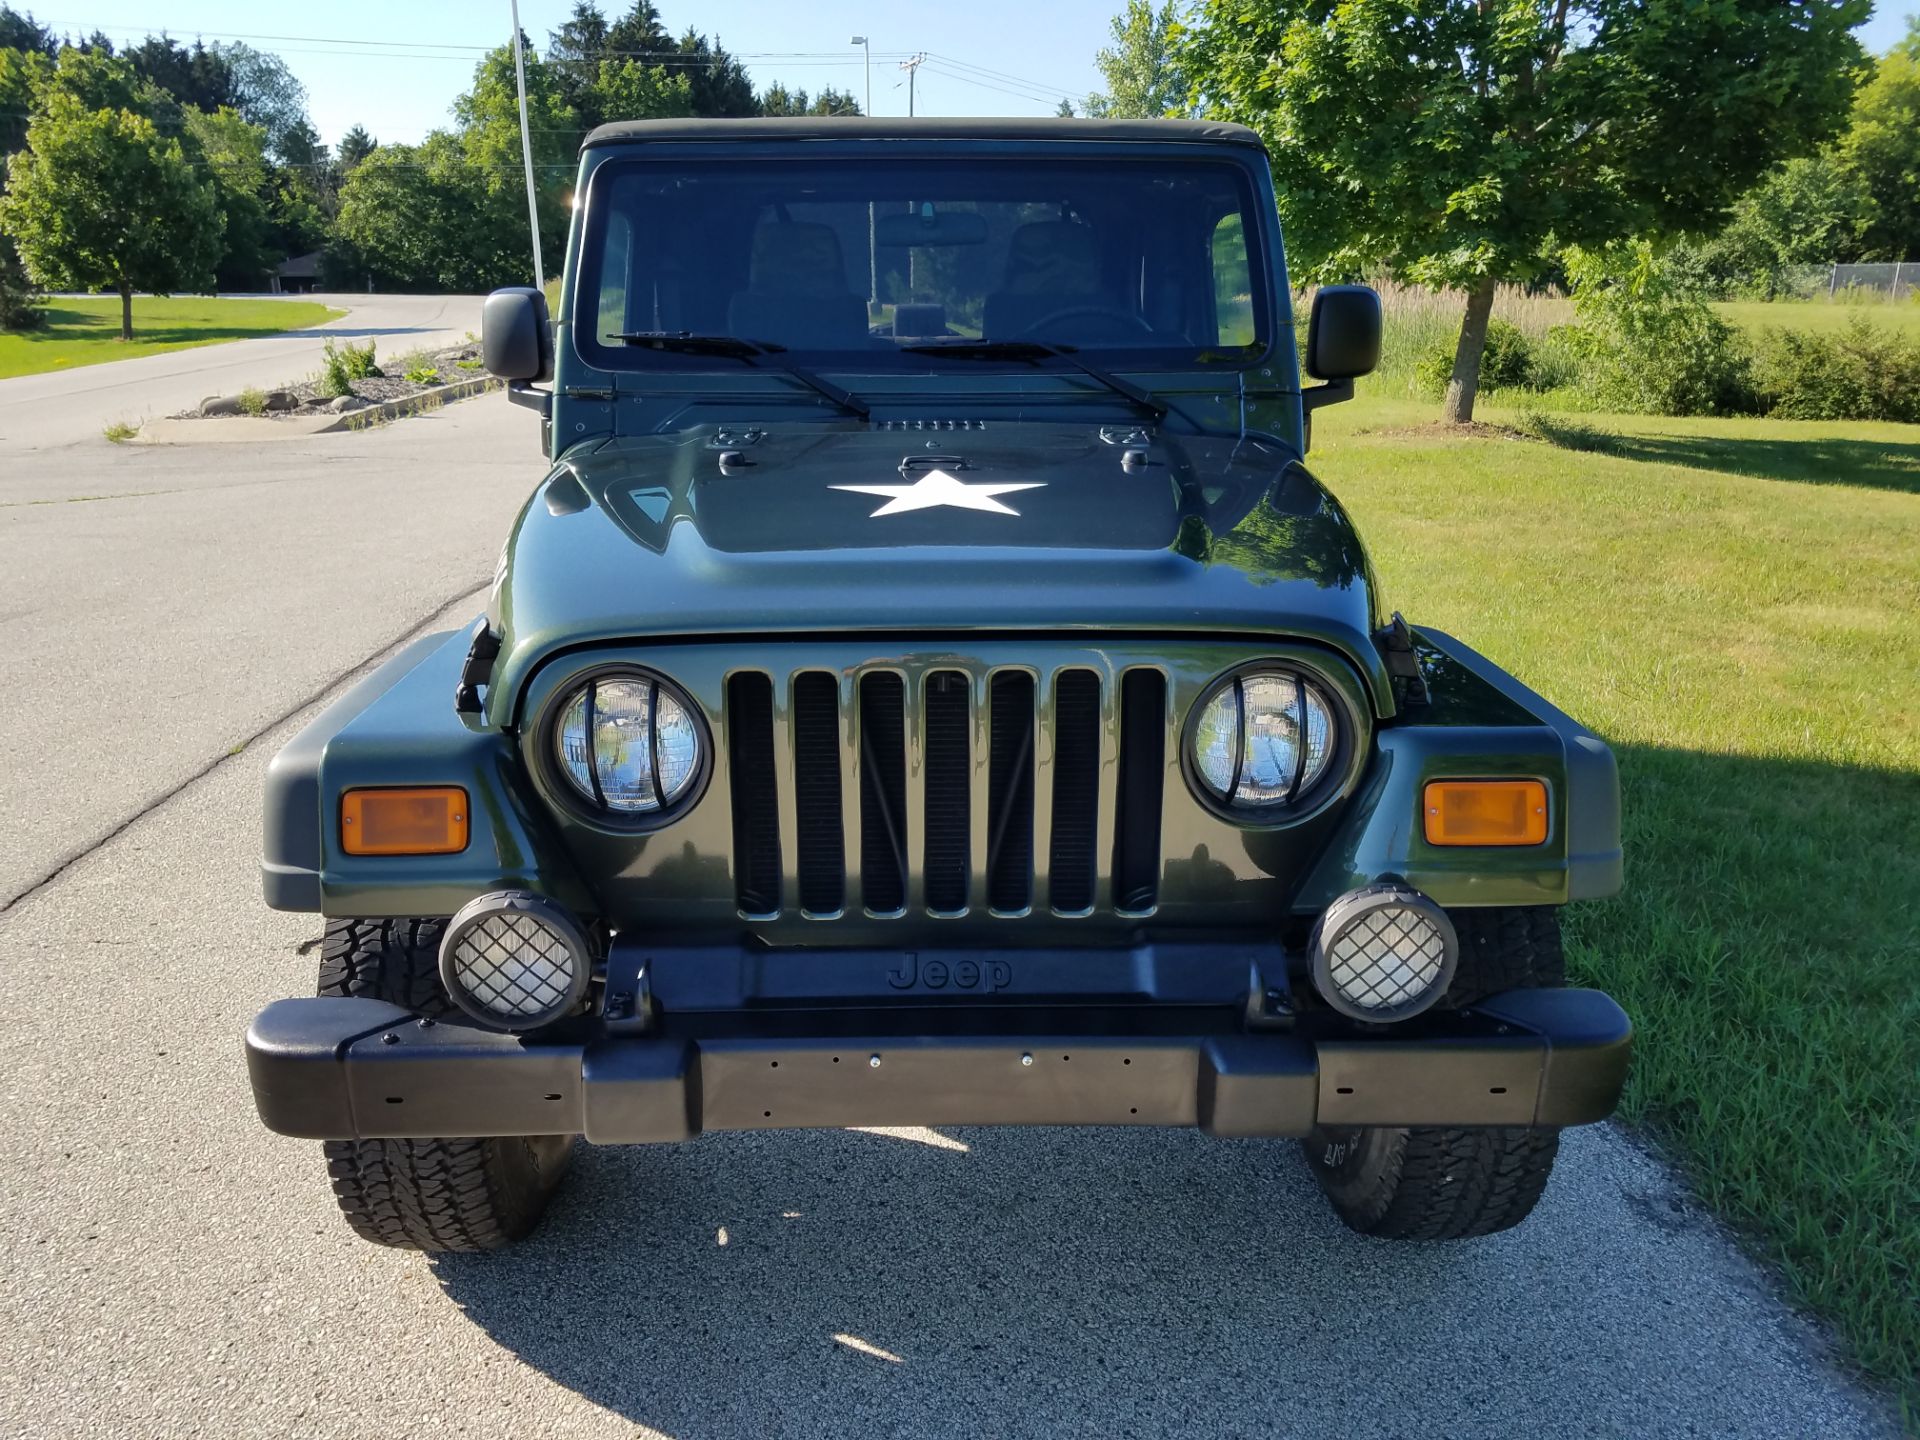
{"x": 912, "y": 67}
{"x": 873, "y": 250}
{"x": 526, "y": 148}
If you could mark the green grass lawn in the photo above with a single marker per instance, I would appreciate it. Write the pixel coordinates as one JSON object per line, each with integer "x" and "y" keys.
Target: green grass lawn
{"x": 1819, "y": 315}
{"x": 1735, "y": 606}
{"x": 87, "y": 332}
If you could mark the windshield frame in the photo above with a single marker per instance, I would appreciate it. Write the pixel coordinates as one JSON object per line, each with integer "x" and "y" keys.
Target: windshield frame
{"x": 1269, "y": 301}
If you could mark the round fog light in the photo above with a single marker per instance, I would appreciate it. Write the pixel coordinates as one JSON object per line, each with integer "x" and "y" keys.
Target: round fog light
{"x": 514, "y": 960}
{"x": 1383, "y": 953}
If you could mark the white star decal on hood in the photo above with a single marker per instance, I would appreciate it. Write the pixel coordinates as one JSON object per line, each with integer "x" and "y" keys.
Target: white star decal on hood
{"x": 936, "y": 488}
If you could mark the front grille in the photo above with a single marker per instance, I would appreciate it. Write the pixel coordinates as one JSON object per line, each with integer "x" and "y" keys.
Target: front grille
{"x": 994, "y": 790}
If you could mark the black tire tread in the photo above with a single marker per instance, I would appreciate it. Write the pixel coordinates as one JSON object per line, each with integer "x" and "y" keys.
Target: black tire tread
{"x": 1448, "y": 1183}
{"x": 1514, "y": 948}
{"x": 439, "y": 1194}
{"x": 1452, "y": 1182}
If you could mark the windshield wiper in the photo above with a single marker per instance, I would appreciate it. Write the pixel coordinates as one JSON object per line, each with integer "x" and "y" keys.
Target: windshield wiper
{"x": 1031, "y": 349}
{"x": 685, "y": 342}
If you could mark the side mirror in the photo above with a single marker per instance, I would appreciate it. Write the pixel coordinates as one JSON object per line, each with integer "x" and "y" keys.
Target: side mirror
{"x": 1343, "y": 334}
{"x": 516, "y": 337}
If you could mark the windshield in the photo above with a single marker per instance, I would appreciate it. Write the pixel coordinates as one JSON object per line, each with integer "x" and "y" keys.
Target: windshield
{"x": 859, "y": 264}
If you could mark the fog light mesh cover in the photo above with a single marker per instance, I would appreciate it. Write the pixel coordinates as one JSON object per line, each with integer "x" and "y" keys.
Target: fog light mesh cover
{"x": 1383, "y": 953}
{"x": 514, "y": 960}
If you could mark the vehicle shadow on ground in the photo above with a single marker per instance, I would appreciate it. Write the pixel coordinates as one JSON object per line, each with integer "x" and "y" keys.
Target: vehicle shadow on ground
{"x": 1035, "y": 1281}
{"x": 1878, "y": 464}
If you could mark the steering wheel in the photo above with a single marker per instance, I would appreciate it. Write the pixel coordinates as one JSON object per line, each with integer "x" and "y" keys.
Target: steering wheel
{"x": 1105, "y": 312}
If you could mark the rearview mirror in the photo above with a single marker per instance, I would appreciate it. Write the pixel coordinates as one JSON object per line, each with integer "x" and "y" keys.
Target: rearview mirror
{"x": 931, "y": 227}
{"x": 516, "y": 337}
{"x": 1343, "y": 334}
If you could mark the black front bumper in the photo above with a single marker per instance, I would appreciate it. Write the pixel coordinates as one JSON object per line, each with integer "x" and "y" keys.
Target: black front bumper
{"x": 752, "y": 1055}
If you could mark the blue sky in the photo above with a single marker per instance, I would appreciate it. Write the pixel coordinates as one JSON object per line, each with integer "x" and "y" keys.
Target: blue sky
{"x": 395, "y": 66}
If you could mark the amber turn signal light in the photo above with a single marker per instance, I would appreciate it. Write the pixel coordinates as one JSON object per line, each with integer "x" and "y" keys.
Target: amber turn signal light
{"x": 1486, "y": 812}
{"x": 422, "y": 821}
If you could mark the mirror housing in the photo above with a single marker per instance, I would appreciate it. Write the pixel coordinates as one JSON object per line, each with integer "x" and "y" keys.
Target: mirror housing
{"x": 1343, "y": 334}
{"x": 516, "y": 335}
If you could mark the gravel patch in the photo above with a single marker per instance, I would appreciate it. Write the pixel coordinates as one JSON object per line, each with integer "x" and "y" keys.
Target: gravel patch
{"x": 435, "y": 368}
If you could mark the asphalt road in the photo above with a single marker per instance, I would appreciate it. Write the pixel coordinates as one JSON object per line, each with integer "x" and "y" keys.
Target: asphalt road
{"x": 172, "y": 1269}
{"x": 72, "y": 407}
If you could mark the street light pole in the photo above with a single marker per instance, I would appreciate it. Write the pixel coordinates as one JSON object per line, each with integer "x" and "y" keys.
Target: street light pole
{"x": 873, "y": 253}
{"x": 526, "y": 149}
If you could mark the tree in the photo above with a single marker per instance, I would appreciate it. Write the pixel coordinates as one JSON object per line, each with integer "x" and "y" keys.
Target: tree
{"x": 1065, "y": 110}
{"x": 23, "y": 32}
{"x": 1883, "y": 148}
{"x": 101, "y": 197}
{"x": 721, "y": 86}
{"x": 355, "y": 146}
{"x": 635, "y": 90}
{"x": 778, "y": 100}
{"x": 198, "y": 77}
{"x": 233, "y": 153}
{"x": 1461, "y": 142}
{"x": 268, "y": 94}
{"x": 1143, "y": 77}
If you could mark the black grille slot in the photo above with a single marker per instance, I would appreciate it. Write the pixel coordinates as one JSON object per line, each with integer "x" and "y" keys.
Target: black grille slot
{"x": 1143, "y": 758}
{"x": 1076, "y": 788}
{"x": 1010, "y": 793}
{"x": 883, "y": 793}
{"x": 756, "y": 805}
{"x": 816, "y": 788}
{"x": 946, "y": 723}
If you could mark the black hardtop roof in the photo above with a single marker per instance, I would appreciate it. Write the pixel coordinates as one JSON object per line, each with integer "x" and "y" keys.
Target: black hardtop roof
{"x": 850, "y": 127}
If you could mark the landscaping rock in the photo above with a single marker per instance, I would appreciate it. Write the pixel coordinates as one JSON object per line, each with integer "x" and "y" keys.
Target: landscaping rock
{"x": 282, "y": 400}
{"x": 220, "y": 405}
{"x": 346, "y": 403}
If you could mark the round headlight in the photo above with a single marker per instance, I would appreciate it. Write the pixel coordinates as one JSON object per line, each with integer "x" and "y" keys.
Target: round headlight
{"x": 628, "y": 743}
{"x": 1263, "y": 738}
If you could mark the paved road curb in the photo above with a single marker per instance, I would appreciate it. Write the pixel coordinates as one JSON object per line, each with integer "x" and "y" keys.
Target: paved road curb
{"x": 193, "y": 430}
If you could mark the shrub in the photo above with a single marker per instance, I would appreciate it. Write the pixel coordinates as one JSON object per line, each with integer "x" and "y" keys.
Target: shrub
{"x": 1507, "y": 363}
{"x": 253, "y": 402}
{"x": 1653, "y": 344}
{"x": 341, "y": 365}
{"x": 1861, "y": 372}
{"x": 423, "y": 375}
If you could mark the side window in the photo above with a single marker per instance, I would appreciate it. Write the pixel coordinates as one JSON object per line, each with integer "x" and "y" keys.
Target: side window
{"x": 1232, "y": 282}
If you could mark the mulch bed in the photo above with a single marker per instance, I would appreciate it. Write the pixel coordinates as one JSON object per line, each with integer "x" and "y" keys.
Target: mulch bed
{"x": 392, "y": 384}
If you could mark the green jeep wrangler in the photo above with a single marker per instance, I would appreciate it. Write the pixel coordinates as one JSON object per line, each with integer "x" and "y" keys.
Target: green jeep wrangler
{"x": 928, "y": 689}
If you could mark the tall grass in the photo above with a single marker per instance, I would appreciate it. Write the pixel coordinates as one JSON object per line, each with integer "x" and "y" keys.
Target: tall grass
{"x": 1420, "y": 321}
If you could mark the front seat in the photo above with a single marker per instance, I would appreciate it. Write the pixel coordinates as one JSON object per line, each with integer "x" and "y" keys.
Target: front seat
{"x": 1051, "y": 265}
{"x": 797, "y": 292}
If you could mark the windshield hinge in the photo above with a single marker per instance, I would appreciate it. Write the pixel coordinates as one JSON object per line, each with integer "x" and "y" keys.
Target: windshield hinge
{"x": 1395, "y": 640}
{"x": 478, "y": 668}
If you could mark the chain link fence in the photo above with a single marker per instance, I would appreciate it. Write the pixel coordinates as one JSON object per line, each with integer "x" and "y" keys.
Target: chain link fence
{"x": 1868, "y": 283}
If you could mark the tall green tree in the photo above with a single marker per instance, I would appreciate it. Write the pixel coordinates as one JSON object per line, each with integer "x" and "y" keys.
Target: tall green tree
{"x": 267, "y": 94}
{"x": 1882, "y": 147}
{"x": 198, "y": 77}
{"x": 20, "y": 31}
{"x": 1462, "y": 141}
{"x": 353, "y": 147}
{"x": 233, "y": 153}
{"x": 776, "y": 99}
{"x": 102, "y": 198}
{"x": 1141, "y": 68}
{"x": 635, "y": 90}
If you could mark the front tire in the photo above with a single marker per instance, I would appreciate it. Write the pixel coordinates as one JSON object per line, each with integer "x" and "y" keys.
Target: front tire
{"x": 440, "y": 1194}
{"x": 1445, "y": 1182}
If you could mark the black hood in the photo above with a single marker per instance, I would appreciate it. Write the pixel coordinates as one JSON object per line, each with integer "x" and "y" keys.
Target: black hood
{"x": 933, "y": 527}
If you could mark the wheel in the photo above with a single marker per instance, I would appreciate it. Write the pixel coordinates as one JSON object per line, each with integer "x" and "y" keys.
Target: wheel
{"x": 442, "y": 1194}
{"x": 1435, "y": 1182}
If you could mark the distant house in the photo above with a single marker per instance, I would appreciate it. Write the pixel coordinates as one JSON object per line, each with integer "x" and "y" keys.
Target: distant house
{"x": 298, "y": 275}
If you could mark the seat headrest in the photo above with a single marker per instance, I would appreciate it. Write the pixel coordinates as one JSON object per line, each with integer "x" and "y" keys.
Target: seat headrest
{"x": 1053, "y": 257}
{"x": 792, "y": 258}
